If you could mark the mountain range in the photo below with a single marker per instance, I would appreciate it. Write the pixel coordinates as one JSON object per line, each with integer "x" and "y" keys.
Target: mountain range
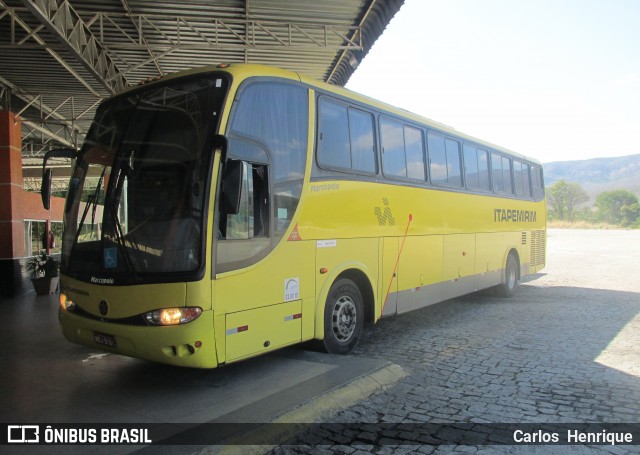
{"x": 597, "y": 175}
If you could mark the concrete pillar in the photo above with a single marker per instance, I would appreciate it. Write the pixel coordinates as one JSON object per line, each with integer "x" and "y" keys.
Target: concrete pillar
{"x": 11, "y": 222}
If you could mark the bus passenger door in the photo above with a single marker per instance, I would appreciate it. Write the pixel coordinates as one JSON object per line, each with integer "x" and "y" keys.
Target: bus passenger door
{"x": 260, "y": 283}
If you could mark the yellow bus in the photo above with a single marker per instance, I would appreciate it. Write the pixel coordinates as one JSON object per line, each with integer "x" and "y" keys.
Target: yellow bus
{"x": 225, "y": 212}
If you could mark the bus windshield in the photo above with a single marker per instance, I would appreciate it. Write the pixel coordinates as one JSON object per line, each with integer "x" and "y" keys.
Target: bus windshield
{"x": 136, "y": 202}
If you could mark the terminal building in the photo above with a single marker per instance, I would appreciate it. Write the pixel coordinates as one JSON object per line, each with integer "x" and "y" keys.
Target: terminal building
{"x": 60, "y": 58}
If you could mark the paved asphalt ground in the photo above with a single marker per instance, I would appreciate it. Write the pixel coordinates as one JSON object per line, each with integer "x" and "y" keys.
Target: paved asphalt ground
{"x": 564, "y": 350}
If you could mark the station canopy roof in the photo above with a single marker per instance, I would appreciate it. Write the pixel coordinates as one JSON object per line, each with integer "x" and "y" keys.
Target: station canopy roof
{"x": 60, "y": 58}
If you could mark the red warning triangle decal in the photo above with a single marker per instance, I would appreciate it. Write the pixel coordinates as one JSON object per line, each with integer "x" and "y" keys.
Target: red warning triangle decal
{"x": 295, "y": 235}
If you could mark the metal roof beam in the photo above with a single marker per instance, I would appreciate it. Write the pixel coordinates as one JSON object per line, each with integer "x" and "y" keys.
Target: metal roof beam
{"x": 34, "y": 183}
{"x": 61, "y": 19}
{"x": 31, "y": 99}
{"x": 188, "y": 33}
{"x": 138, "y": 28}
{"x": 49, "y": 134}
{"x": 15, "y": 20}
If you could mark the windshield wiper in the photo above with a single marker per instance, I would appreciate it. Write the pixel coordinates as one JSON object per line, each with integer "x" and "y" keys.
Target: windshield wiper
{"x": 92, "y": 202}
{"x": 119, "y": 237}
{"x": 118, "y": 231}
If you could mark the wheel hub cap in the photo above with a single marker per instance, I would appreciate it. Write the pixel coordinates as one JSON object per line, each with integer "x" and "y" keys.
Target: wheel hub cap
{"x": 344, "y": 318}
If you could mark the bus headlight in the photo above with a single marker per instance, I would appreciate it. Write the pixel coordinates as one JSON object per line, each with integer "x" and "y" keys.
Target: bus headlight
{"x": 173, "y": 316}
{"x": 66, "y": 303}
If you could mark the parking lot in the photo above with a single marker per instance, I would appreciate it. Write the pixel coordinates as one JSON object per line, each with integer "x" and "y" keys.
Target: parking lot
{"x": 565, "y": 350}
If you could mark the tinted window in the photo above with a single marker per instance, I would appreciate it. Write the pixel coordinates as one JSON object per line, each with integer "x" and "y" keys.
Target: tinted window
{"x": 269, "y": 124}
{"x": 252, "y": 218}
{"x": 506, "y": 175}
{"x": 437, "y": 158}
{"x": 403, "y": 150}
{"x": 138, "y": 194}
{"x": 444, "y": 159}
{"x": 521, "y": 179}
{"x": 496, "y": 170}
{"x": 501, "y": 171}
{"x": 345, "y": 138}
{"x": 393, "y": 157}
{"x": 414, "y": 148}
{"x": 471, "y": 166}
{"x": 453, "y": 162}
{"x": 537, "y": 182}
{"x": 333, "y": 135}
{"x": 476, "y": 167}
{"x": 526, "y": 183}
{"x": 363, "y": 153}
{"x": 483, "y": 169}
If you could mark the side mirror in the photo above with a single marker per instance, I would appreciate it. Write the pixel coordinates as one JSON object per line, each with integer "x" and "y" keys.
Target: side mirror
{"x": 45, "y": 190}
{"x": 232, "y": 186}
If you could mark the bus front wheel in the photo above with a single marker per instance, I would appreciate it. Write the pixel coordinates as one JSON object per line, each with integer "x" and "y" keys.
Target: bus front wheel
{"x": 343, "y": 317}
{"x": 508, "y": 286}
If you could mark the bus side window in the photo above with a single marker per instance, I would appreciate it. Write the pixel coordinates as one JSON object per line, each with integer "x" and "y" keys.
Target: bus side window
{"x": 521, "y": 179}
{"x": 476, "y": 168}
{"x": 414, "y": 149}
{"x": 437, "y": 158}
{"x": 252, "y": 219}
{"x": 333, "y": 137}
{"x": 402, "y": 150}
{"x": 345, "y": 138}
{"x": 444, "y": 160}
{"x": 498, "y": 176}
{"x": 453, "y": 162}
{"x": 394, "y": 161}
{"x": 362, "y": 141}
{"x": 506, "y": 173}
{"x": 536, "y": 182}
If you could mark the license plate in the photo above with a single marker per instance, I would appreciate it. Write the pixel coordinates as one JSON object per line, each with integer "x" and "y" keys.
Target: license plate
{"x": 104, "y": 339}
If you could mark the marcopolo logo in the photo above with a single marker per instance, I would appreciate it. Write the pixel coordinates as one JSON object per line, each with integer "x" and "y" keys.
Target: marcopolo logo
{"x": 97, "y": 280}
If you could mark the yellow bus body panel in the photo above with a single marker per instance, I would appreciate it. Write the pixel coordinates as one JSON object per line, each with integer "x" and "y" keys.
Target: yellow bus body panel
{"x": 254, "y": 332}
{"x": 125, "y": 301}
{"x": 264, "y": 285}
{"x": 420, "y": 245}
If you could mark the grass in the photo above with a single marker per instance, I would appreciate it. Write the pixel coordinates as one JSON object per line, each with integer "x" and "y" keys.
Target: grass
{"x": 558, "y": 224}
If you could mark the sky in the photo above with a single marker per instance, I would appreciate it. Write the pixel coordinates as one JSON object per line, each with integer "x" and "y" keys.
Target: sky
{"x": 554, "y": 80}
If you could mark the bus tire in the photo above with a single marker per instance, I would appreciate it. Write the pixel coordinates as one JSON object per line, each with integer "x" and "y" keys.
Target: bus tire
{"x": 509, "y": 282}
{"x": 343, "y": 317}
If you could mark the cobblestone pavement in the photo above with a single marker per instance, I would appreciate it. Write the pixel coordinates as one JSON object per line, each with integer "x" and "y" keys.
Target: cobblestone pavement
{"x": 566, "y": 349}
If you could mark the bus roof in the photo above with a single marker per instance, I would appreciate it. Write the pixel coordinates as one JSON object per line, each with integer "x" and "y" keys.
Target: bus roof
{"x": 246, "y": 70}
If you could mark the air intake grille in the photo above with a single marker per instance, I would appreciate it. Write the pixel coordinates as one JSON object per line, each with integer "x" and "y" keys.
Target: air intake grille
{"x": 537, "y": 248}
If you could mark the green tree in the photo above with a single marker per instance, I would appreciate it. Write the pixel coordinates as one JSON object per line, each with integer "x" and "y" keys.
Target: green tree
{"x": 618, "y": 207}
{"x": 563, "y": 199}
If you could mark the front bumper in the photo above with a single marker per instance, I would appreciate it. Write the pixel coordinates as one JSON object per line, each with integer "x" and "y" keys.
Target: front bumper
{"x": 173, "y": 345}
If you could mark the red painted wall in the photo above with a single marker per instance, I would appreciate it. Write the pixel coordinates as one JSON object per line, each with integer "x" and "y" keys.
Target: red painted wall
{"x": 16, "y": 204}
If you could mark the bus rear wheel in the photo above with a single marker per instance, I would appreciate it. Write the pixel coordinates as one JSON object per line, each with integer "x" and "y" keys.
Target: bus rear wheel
{"x": 508, "y": 286}
{"x": 343, "y": 317}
